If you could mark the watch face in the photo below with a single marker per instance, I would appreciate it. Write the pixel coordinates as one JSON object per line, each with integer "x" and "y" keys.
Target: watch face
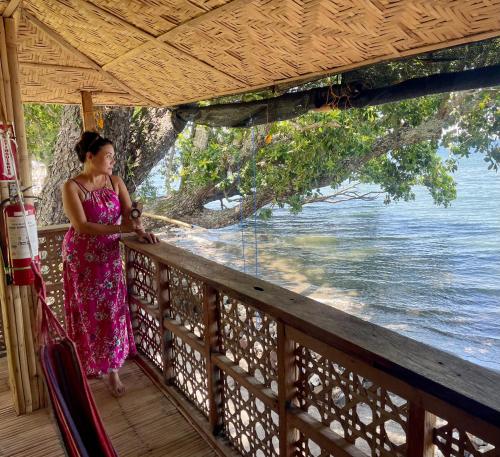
{"x": 135, "y": 213}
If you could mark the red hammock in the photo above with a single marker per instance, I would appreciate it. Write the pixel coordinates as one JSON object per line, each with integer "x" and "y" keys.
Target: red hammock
{"x": 79, "y": 422}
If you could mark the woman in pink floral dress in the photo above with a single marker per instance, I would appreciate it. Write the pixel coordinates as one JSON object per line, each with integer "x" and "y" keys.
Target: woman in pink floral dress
{"x": 97, "y": 315}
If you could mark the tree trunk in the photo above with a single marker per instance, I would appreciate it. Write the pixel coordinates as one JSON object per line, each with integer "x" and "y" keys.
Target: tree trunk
{"x": 141, "y": 138}
{"x": 64, "y": 164}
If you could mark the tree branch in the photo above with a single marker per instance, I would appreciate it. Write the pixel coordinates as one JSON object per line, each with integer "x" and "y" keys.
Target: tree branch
{"x": 293, "y": 104}
{"x": 189, "y": 205}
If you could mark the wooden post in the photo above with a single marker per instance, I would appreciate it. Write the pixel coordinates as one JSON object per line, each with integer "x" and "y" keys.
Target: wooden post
{"x": 163, "y": 297}
{"x": 212, "y": 343}
{"x": 286, "y": 391}
{"x": 88, "y": 112}
{"x": 420, "y": 428}
{"x": 17, "y": 303}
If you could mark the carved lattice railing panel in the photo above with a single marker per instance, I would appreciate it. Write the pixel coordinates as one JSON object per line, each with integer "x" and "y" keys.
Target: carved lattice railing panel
{"x": 452, "y": 441}
{"x": 190, "y": 373}
{"x": 356, "y": 409}
{"x": 143, "y": 298}
{"x": 249, "y": 424}
{"x": 186, "y": 302}
{"x": 147, "y": 337}
{"x": 141, "y": 279}
{"x": 249, "y": 339}
{"x": 306, "y": 447}
{"x": 50, "y": 251}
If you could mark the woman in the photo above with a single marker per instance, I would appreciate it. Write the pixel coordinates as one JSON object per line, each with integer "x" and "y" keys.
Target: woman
{"x": 95, "y": 301}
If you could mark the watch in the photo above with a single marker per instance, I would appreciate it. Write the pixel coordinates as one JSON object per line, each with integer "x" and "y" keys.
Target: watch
{"x": 135, "y": 212}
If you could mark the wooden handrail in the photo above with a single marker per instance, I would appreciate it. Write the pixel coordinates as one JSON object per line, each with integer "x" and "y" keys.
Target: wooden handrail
{"x": 270, "y": 369}
{"x": 48, "y": 229}
{"x": 425, "y": 373}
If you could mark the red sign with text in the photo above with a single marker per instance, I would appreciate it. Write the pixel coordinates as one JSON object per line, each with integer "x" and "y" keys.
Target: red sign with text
{"x": 8, "y": 158}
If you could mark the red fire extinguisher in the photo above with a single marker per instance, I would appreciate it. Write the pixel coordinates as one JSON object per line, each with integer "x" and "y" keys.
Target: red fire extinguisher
{"x": 20, "y": 243}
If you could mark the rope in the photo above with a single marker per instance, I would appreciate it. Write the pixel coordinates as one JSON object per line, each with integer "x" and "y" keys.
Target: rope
{"x": 254, "y": 160}
{"x": 241, "y": 214}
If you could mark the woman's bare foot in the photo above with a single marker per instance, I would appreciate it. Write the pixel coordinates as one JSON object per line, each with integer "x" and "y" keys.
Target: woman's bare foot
{"x": 116, "y": 386}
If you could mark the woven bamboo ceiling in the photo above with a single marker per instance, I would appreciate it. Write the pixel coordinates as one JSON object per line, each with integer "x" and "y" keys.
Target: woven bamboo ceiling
{"x": 168, "y": 52}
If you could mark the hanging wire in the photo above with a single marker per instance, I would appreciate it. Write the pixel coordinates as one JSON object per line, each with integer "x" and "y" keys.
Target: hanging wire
{"x": 241, "y": 213}
{"x": 254, "y": 160}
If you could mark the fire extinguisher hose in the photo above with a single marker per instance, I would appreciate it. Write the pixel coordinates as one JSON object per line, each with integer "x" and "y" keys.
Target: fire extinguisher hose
{"x": 19, "y": 193}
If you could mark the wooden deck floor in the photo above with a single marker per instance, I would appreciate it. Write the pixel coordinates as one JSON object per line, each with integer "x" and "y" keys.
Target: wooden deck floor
{"x": 142, "y": 423}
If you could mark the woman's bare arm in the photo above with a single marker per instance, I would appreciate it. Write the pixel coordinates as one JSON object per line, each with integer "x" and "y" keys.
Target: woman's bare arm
{"x": 73, "y": 208}
{"x": 123, "y": 195}
{"x": 126, "y": 204}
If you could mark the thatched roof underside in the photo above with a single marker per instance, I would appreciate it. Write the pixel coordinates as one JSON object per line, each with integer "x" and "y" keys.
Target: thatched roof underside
{"x": 169, "y": 52}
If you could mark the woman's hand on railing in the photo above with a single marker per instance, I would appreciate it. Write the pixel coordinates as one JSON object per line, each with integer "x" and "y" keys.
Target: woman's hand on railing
{"x": 145, "y": 237}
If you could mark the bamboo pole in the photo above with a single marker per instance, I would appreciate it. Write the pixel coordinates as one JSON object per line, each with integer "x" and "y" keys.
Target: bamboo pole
{"x": 18, "y": 307}
{"x": 26, "y": 301}
{"x": 5, "y": 73}
{"x": 21, "y": 347}
{"x": 3, "y": 117}
{"x": 88, "y": 112}
{"x": 8, "y": 309}
{"x": 12, "y": 363}
{"x": 13, "y": 348}
{"x": 17, "y": 103}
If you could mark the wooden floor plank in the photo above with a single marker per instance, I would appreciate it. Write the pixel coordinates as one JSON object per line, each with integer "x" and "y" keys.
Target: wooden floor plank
{"x": 144, "y": 422}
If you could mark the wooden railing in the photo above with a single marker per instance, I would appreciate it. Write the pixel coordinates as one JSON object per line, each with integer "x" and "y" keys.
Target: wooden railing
{"x": 276, "y": 373}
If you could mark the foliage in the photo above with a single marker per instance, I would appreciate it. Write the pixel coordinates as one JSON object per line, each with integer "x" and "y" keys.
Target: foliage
{"x": 479, "y": 130}
{"x": 42, "y": 128}
{"x": 332, "y": 148}
{"x": 146, "y": 192}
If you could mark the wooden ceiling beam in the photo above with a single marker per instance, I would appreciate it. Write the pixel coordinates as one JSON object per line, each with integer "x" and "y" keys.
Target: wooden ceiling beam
{"x": 11, "y": 8}
{"x": 98, "y": 12}
{"x": 80, "y": 55}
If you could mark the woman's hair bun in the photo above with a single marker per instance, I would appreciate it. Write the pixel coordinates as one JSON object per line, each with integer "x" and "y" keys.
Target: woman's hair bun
{"x": 90, "y": 142}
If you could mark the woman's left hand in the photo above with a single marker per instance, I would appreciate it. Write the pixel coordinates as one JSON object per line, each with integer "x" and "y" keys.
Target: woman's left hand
{"x": 145, "y": 237}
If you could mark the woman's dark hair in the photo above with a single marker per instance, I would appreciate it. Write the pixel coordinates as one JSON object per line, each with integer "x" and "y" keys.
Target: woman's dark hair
{"x": 90, "y": 142}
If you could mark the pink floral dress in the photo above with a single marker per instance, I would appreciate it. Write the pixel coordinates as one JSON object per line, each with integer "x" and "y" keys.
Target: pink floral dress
{"x": 95, "y": 299}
